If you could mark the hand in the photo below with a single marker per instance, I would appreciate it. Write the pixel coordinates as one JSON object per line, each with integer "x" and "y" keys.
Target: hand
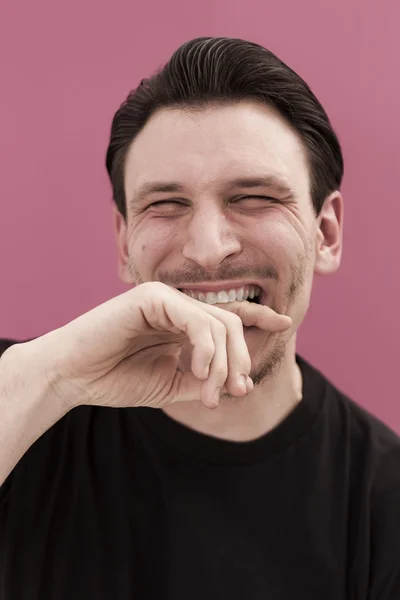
{"x": 125, "y": 352}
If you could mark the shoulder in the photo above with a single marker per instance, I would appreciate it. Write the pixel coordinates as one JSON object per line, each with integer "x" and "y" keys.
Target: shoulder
{"x": 359, "y": 423}
{"x": 370, "y": 445}
{"x": 376, "y": 439}
{"x": 368, "y": 453}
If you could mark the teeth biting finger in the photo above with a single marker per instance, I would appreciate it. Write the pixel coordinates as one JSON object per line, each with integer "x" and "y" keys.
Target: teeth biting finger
{"x": 261, "y": 316}
{"x": 225, "y": 296}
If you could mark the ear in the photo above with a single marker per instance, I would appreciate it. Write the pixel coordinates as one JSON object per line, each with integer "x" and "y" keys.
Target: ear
{"x": 328, "y": 250}
{"x": 120, "y": 228}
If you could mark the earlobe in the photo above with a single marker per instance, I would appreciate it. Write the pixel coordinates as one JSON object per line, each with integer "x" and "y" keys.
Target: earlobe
{"x": 328, "y": 250}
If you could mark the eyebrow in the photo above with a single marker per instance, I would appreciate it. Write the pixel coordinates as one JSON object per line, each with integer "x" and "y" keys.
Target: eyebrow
{"x": 266, "y": 181}
{"x": 172, "y": 187}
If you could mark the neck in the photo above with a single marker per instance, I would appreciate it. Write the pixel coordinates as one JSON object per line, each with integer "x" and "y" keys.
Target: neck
{"x": 247, "y": 418}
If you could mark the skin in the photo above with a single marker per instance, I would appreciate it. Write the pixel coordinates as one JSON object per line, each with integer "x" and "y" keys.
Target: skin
{"x": 208, "y": 232}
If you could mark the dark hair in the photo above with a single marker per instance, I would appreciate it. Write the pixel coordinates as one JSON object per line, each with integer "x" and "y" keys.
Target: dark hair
{"x": 216, "y": 71}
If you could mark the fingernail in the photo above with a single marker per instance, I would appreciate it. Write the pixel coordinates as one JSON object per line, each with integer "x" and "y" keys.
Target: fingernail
{"x": 242, "y": 381}
{"x": 249, "y": 384}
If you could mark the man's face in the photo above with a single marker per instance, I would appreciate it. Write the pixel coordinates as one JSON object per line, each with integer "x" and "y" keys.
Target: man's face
{"x": 208, "y": 228}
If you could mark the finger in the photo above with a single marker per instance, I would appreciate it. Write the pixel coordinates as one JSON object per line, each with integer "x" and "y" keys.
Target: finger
{"x": 250, "y": 313}
{"x": 239, "y": 361}
{"x": 261, "y": 316}
{"x": 211, "y": 388}
{"x": 196, "y": 325}
{"x": 187, "y": 387}
{"x": 207, "y": 335}
{"x": 203, "y": 344}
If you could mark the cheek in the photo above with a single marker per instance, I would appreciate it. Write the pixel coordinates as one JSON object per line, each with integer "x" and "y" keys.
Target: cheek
{"x": 151, "y": 243}
{"x": 277, "y": 239}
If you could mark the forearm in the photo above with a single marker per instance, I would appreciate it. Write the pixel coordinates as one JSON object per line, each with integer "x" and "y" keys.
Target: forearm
{"x": 28, "y": 406}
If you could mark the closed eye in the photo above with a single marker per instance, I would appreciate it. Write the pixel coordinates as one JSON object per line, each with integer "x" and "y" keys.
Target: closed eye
{"x": 170, "y": 208}
{"x": 163, "y": 202}
{"x": 174, "y": 201}
{"x": 255, "y": 198}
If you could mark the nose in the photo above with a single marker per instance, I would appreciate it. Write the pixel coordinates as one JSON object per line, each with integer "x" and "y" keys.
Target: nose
{"x": 210, "y": 239}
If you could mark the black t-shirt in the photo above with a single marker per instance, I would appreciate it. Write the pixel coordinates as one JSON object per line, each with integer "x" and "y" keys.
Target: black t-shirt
{"x": 128, "y": 504}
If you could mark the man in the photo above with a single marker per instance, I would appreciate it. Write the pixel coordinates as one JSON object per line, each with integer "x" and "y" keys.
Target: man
{"x": 170, "y": 443}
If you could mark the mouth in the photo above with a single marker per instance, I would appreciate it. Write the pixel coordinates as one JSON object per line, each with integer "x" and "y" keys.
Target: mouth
{"x": 225, "y": 293}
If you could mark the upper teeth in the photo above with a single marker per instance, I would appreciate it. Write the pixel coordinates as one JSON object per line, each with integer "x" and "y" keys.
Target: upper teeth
{"x": 224, "y": 296}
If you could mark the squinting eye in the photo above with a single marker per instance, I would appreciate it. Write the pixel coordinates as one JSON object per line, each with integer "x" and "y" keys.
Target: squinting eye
{"x": 255, "y": 198}
{"x": 167, "y": 208}
{"x": 164, "y": 202}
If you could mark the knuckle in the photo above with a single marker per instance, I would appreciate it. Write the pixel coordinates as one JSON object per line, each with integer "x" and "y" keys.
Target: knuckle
{"x": 200, "y": 325}
{"x": 150, "y": 292}
{"x": 202, "y": 318}
{"x": 235, "y": 321}
{"x": 207, "y": 347}
{"x": 221, "y": 372}
{"x": 149, "y": 286}
{"x": 219, "y": 328}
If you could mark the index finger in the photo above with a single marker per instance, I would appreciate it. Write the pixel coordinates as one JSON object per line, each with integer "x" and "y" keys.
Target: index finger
{"x": 252, "y": 315}
{"x": 260, "y": 315}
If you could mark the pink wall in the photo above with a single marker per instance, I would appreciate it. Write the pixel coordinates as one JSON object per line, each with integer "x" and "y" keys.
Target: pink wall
{"x": 66, "y": 66}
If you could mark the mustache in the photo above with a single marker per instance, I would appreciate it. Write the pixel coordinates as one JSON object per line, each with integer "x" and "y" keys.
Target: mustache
{"x": 182, "y": 275}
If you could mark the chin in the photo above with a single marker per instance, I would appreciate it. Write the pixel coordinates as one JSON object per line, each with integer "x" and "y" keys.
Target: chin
{"x": 257, "y": 340}
{"x": 267, "y": 352}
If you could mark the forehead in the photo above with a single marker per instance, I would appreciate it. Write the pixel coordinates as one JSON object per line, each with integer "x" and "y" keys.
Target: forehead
{"x": 203, "y": 147}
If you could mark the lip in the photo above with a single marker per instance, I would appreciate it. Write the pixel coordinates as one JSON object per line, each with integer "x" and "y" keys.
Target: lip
{"x": 225, "y": 285}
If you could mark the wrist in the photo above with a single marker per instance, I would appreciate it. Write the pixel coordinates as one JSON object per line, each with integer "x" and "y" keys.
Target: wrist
{"x": 29, "y": 369}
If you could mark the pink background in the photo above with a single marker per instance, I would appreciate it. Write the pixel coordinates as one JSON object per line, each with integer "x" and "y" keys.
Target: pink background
{"x": 66, "y": 66}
